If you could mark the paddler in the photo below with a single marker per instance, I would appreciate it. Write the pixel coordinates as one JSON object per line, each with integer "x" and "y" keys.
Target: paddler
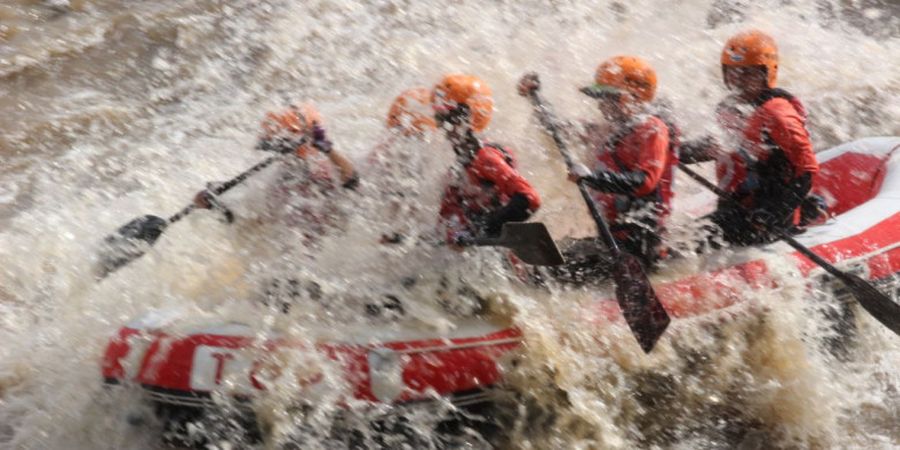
{"x": 410, "y": 113}
{"x": 397, "y": 163}
{"x": 306, "y": 181}
{"x": 485, "y": 189}
{"x": 768, "y": 165}
{"x": 634, "y": 158}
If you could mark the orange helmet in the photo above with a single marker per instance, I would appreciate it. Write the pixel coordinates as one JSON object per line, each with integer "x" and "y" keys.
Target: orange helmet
{"x": 752, "y": 48}
{"x": 409, "y": 113}
{"x": 296, "y": 121}
{"x": 628, "y": 74}
{"x": 456, "y": 89}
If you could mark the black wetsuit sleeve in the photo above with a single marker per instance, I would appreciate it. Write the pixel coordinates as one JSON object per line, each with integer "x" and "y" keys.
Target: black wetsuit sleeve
{"x": 695, "y": 151}
{"x": 616, "y": 182}
{"x": 515, "y": 210}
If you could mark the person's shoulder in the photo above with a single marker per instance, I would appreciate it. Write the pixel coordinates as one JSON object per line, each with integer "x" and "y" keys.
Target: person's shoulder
{"x": 780, "y": 108}
{"x": 655, "y": 121}
{"x": 778, "y": 99}
{"x": 490, "y": 159}
{"x": 493, "y": 152}
{"x": 777, "y": 103}
{"x": 652, "y": 124}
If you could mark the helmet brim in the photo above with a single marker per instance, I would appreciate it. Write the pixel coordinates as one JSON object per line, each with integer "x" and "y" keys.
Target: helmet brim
{"x": 601, "y": 91}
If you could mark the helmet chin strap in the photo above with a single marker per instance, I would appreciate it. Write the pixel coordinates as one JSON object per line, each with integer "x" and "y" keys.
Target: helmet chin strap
{"x": 466, "y": 146}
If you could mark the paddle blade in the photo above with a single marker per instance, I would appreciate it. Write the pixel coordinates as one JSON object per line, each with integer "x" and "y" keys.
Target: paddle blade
{"x": 643, "y": 312}
{"x": 128, "y": 243}
{"x": 879, "y": 305}
{"x": 530, "y": 242}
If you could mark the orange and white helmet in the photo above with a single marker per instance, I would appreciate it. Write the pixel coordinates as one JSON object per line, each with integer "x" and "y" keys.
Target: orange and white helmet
{"x": 456, "y": 90}
{"x": 411, "y": 112}
{"x": 752, "y": 48}
{"x": 628, "y": 75}
{"x": 293, "y": 123}
{"x": 296, "y": 120}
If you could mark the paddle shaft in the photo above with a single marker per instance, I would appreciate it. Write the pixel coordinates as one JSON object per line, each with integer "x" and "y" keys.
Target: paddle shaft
{"x": 225, "y": 187}
{"x": 547, "y": 120}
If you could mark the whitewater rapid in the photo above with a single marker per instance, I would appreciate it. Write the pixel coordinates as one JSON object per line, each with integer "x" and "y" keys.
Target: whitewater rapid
{"x": 110, "y": 110}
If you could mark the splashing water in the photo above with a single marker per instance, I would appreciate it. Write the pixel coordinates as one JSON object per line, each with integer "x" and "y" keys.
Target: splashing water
{"x": 113, "y": 110}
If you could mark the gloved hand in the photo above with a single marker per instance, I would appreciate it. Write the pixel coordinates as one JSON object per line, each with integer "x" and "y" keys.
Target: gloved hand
{"x": 351, "y": 183}
{"x": 615, "y": 182}
{"x": 578, "y": 171}
{"x": 206, "y": 199}
{"x": 762, "y": 219}
{"x": 813, "y": 209}
{"x": 529, "y": 83}
{"x": 320, "y": 142}
{"x": 462, "y": 239}
{"x": 203, "y": 199}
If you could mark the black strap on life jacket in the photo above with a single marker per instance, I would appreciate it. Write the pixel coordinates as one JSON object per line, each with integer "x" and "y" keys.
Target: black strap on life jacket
{"x": 769, "y": 94}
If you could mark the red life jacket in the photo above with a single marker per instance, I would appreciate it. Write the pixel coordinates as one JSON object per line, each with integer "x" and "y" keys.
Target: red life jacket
{"x": 486, "y": 183}
{"x": 629, "y": 150}
{"x": 775, "y": 148}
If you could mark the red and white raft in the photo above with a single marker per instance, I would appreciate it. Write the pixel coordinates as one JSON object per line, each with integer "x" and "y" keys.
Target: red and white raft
{"x": 860, "y": 181}
{"x": 183, "y": 368}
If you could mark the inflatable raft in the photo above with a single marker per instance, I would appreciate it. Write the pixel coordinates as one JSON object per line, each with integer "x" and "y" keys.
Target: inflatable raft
{"x": 860, "y": 182}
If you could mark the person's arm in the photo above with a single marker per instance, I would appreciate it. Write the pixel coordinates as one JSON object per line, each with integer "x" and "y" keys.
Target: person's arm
{"x": 698, "y": 150}
{"x": 490, "y": 165}
{"x": 349, "y": 177}
{"x": 523, "y": 198}
{"x": 614, "y": 182}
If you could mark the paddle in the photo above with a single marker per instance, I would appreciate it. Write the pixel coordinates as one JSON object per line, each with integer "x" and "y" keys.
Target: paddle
{"x": 872, "y": 300}
{"x": 640, "y": 306}
{"x": 529, "y": 241}
{"x": 134, "y": 238}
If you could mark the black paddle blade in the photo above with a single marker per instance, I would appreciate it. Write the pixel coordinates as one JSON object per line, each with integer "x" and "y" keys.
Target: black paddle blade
{"x": 530, "y": 242}
{"x": 129, "y": 242}
{"x": 643, "y": 312}
{"x": 879, "y": 305}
